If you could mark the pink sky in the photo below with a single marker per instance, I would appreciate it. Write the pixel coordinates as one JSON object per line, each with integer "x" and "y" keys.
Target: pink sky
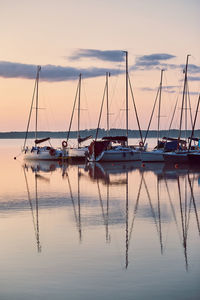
{"x": 74, "y": 36}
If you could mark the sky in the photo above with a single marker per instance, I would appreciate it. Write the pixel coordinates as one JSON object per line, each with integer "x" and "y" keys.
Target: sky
{"x": 67, "y": 38}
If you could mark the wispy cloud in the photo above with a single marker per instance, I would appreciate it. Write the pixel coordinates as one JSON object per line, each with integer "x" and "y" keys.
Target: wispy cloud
{"x": 152, "y": 61}
{"x": 105, "y": 55}
{"x": 51, "y": 72}
{"x": 194, "y": 78}
{"x": 158, "y": 61}
{"x": 194, "y": 69}
{"x": 168, "y": 89}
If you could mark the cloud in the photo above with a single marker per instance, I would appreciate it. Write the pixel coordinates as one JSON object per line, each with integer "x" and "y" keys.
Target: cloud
{"x": 194, "y": 78}
{"x": 152, "y": 61}
{"x": 192, "y": 68}
{"x": 158, "y": 61}
{"x": 105, "y": 55}
{"x": 168, "y": 89}
{"x": 50, "y": 72}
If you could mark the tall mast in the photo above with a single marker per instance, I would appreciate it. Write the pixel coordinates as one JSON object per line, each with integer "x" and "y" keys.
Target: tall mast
{"x": 183, "y": 98}
{"x": 36, "y": 108}
{"x": 159, "y": 106}
{"x": 194, "y": 123}
{"x": 79, "y": 101}
{"x": 107, "y": 75}
{"x": 126, "y": 53}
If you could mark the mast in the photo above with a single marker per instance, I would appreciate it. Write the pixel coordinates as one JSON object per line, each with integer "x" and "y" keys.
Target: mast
{"x": 36, "y": 108}
{"x": 30, "y": 113}
{"x": 126, "y": 53}
{"x": 79, "y": 101}
{"x": 107, "y": 104}
{"x": 183, "y": 97}
{"x": 159, "y": 106}
{"x": 105, "y": 92}
{"x": 195, "y": 118}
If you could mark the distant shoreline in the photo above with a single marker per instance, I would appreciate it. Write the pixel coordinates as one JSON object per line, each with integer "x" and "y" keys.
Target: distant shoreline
{"x": 92, "y": 132}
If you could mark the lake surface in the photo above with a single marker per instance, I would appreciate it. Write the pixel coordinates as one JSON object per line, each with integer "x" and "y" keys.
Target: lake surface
{"x": 104, "y": 231}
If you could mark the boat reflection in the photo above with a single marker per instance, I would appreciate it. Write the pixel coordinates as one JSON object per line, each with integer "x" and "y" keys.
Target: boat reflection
{"x": 38, "y": 167}
{"x": 124, "y": 196}
{"x": 181, "y": 180}
{"x": 44, "y": 166}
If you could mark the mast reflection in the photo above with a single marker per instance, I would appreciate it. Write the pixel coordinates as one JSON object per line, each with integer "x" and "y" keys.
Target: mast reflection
{"x": 35, "y": 216}
{"x": 179, "y": 180}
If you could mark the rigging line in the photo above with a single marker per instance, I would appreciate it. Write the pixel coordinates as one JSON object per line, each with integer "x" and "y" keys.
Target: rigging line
{"x": 159, "y": 217}
{"x": 102, "y": 209}
{"x": 189, "y": 100}
{"x": 151, "y": 206}
{"x": 151, "y": 115}
{"x": 79, "y": 207}
{"x": 30, "y": 202}
{"x": 159, "y": 106}
{"x": 107, "y": 214}
{"x": 127, "y": 240}
{"x": 170, "y": 98}
{"x": 72, "y": 199}
{"x": 186, "y": 206}
{"x": 172, "y": 208}
{"x": 172, "y": 117}
{"x": 30, "y": 113}
{"x": 182, "y": 222}
{"x": 99, "y": 120}
{"x": 86, "y": 102}
{"x": 36, "y": 110}
{"x": 37, "y": 214}
{"x": 73, "y": 109}
{"x": 195, "y": 118}
{"x": 190, "y": 207}
{"x": 183, "y": 97}
{"x": 194, "y": 204}
{"x": 134, "y": 104}
{"x": 116, "y": 82}
{"x": 135, "y": 209}
{"x": 79, "y": 106}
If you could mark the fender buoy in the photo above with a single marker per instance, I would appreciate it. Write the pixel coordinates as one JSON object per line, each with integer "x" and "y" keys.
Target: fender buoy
{"x": 64, "y": 144}
{"x": 52, "y": 152}
{"x": 141, "y": 144}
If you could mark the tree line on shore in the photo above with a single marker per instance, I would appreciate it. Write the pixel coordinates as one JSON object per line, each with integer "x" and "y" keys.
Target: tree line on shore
{"x": 101, "y": 133}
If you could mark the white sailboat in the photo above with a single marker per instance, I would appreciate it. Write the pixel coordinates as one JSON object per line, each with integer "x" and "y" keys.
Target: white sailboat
{"x": 37, "y": 152}
{"x": 106, "y": 149}
{"x": 76, "y": 153}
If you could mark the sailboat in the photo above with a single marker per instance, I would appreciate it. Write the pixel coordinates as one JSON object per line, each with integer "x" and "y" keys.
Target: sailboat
{"x": 76, "y": 153}
{"x": 37, "y": 152}
{"x": 106, "y": 149}
{"x": 181, "y": 154}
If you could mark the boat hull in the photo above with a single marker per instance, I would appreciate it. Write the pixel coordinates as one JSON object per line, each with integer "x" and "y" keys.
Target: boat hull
{"x": 194, "y": 158}
{"x": 76, "y": 153}
{"x": 174, "y": 157}
{"x": 152, "y": 156}
{"x": 114, "y": 156}
{"x": 42, "y": 155}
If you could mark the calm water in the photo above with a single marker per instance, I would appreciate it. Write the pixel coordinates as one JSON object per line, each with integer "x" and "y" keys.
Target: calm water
{"x": 112, "y": 231}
